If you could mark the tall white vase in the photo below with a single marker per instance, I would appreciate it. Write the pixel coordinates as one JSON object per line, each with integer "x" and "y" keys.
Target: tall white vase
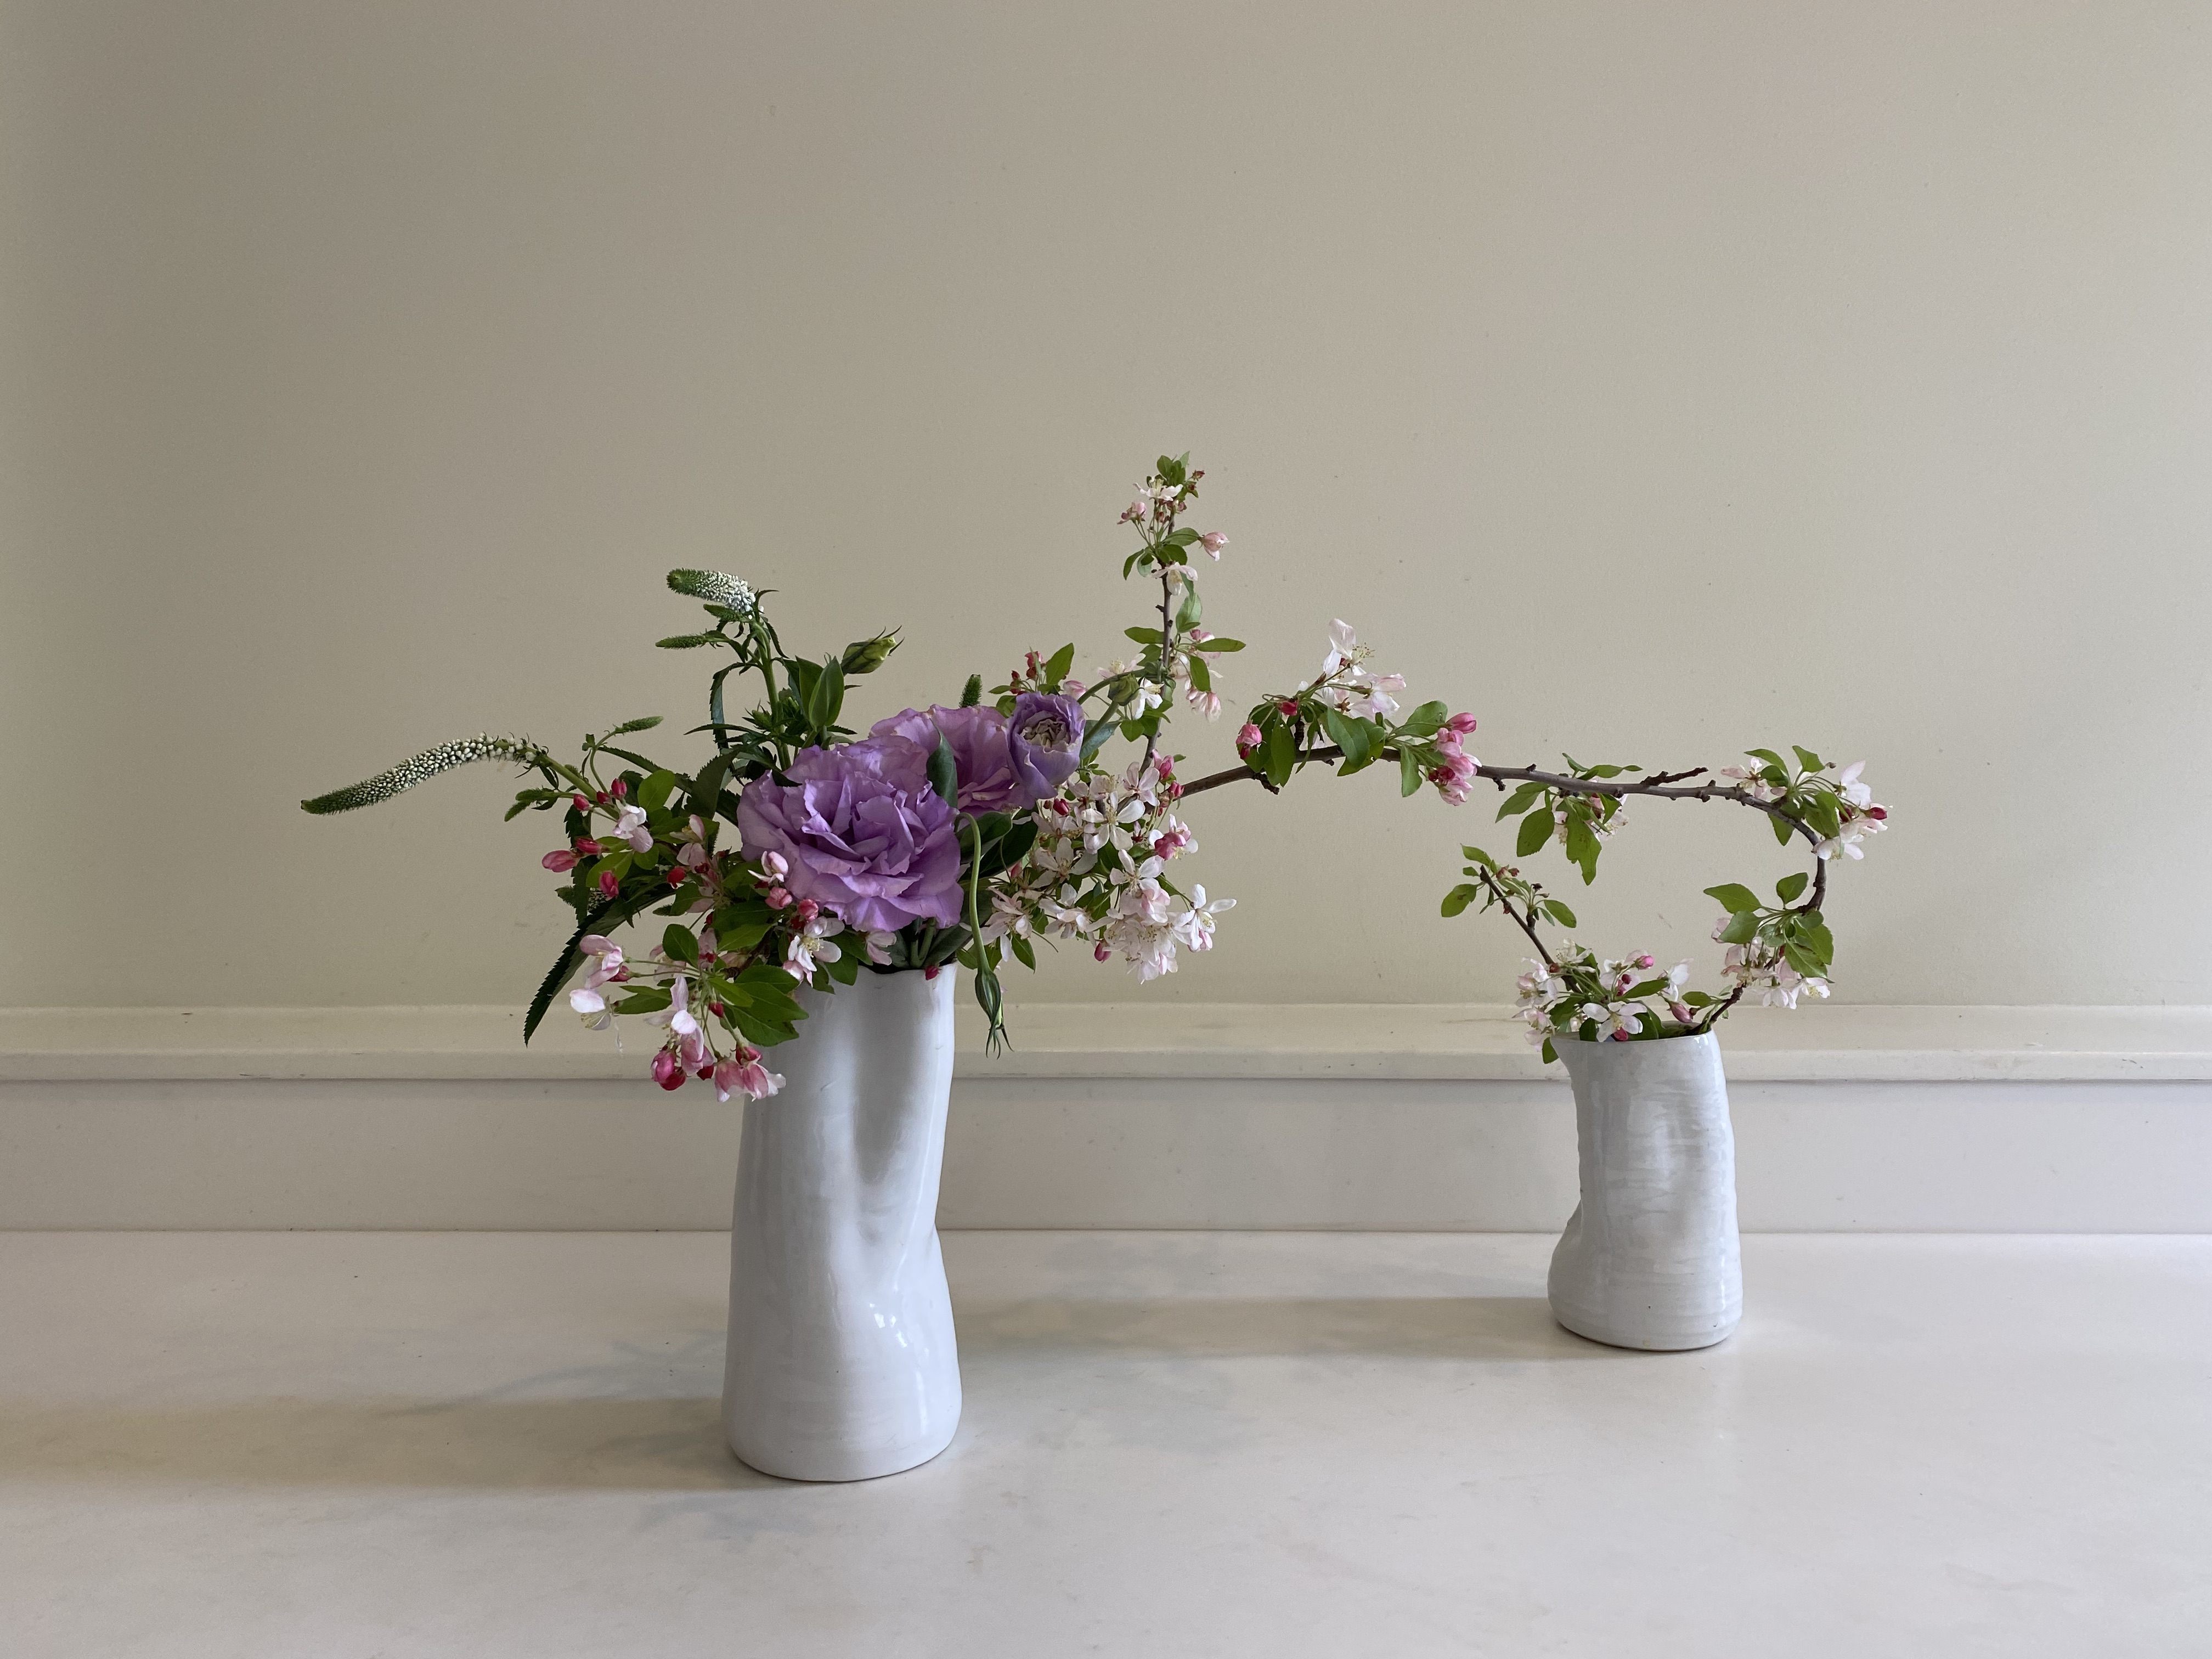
{"x": 842, "y": 1365}
{"x": 1650, "y": 1258}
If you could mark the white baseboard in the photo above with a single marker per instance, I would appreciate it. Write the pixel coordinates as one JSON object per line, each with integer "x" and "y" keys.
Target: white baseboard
{"x": 1996, "y": 1119}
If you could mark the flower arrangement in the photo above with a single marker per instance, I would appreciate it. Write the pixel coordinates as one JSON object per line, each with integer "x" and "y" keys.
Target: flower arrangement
{"x": 1779, "y": 952}
{"x": 962, "y": 833}
{"x": 969, "y": 833}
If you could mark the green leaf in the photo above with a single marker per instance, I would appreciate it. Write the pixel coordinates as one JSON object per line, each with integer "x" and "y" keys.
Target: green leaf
{"x": 1460, "y": 897}
{"x": 1171, "y": 470}
{"x": 681, "y": 944}
{"x": 1768, "y": 755}
{"x": 1603, "y": 771}
{"x": 1426, "y": 720}
{"x": 1278, "y": 755}
{"x": 1057, "y": 665}
{"x": 1349, "y": 735}
{"x": 1558, "y": 913}
{"x": 705, "y": 794}
{"x": 1741, "y": 925}
{"x": 1535, "y": 830}
{"x": 1409, "y": 773}
{"x": 1808, "y": 759}
{"x": 1734, "y": 897}
{"x": 1202, "y": 676}
{"x": 1519, "y": 801}
{"x": 645, "y": 1000}
{"x": 826, "y": 696}
{"x": 1789, "y": 887}
{"x": 1479, "y": 857}
{"x": 944, "y": 772}
{"x": 1143, "y": 635}
{"x": 1783, "y": 829}
{"x": 972, "y": 693}
{"x": 653, "y": 795}
{"x": 1096, "y": 737}
{"x": 1550, "y": 1054}
{"x": 1190, "y": 612}
{"x": 1821, "y": 943}
{"x": 1583, "y": 847}
{"x": 1025, "y": 953}
{"x": 1803, "y": 960}
{"x": 1183, "y": 538}
{"x": 1218, "y": 644}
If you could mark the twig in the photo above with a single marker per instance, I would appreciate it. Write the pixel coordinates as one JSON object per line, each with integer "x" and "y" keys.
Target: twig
{"x": 1526, "y": 924}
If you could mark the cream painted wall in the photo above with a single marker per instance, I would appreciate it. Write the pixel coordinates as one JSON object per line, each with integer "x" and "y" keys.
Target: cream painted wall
{"x": 1652, "y": 380}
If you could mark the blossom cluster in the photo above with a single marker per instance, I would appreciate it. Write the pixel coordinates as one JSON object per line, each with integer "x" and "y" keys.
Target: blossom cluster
{"x": 1579, "y": 994}
{"x": 1839, "y": 806}
{"x": 1096, "y": 872}
{"x": 1351, "y": 708}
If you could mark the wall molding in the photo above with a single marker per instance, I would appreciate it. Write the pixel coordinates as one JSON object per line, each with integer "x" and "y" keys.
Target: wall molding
{"x": 1821, "y": 1043}
{"x": 1424, "y": 1118}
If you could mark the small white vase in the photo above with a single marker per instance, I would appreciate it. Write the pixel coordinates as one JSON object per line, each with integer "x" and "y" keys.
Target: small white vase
{"x": 841, "y": 1363}
{"x": 1650, "y": 1258}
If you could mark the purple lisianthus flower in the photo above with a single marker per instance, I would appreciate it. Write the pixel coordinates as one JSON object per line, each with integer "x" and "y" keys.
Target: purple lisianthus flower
{"x": 1045, "y": 739}
{"x": 978, "y": 737}
{"x": 865, "y": 836}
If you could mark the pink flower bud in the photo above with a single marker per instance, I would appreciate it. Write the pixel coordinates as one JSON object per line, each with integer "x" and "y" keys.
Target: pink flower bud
{"x": 668, "y": 1070}
{"x": 1101, "y": 952}
{"x": 579, "y": 803}
{"x": 608, "y": 885}
{"x": 777, "y": 898}
{"x": 1462, "y": 723}
{"x": 1213, "y": 541}
{"x": 562, "y": 858}
{"x": 1247, "y": 740}
{"x": 588, "y": 848}
{"x": 1877, "y": 811}
{"x": 621, "y": 789}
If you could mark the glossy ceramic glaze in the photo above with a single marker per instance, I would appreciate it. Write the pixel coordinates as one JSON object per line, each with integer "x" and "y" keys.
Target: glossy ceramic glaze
{"x": 1649, "y": 1257}
{"x": 841, "y": 1363}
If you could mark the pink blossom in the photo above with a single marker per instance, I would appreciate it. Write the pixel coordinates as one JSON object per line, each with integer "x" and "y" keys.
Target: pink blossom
{"x": 748, "y": 1074}
{"x": 1213, "y": 541}
{"x": 560, "y": 859}
{"x": 1462, "y": 723}
{"x": 1248, "y": 740}
{"x": 608, "y": 885}
{"x": 667, "y": 1070}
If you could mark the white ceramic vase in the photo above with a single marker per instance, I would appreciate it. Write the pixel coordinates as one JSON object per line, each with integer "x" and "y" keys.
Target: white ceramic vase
{"x": 842, "y": 1365}
{"x": 1650, "y": 1258}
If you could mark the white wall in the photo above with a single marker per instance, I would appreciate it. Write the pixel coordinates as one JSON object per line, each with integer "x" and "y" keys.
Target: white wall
{"x": 1653, "y": 380}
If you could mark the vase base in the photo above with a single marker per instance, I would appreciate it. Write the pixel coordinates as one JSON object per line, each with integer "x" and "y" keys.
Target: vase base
{"x": 1658, "y": 1337}
{"x": 828, "y": 1464}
